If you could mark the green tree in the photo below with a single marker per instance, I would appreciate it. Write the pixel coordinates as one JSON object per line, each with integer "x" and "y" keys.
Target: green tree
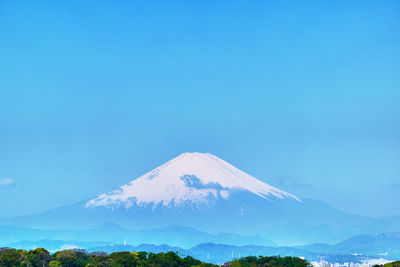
{"x": 73, "y": 258}
{"x": 54, "y": 263}
{"x": 169, "y": 259}
{"x": 10, "y": 257}
{"x": 124, "y": 259}
{"x": 273, "y": 261}
{"x": 393, "y": 264}
{"x": 39, "y": 257}
{"x": 190, "y": 261}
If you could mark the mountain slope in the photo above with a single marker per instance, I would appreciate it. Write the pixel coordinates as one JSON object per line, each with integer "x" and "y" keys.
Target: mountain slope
{"x": 201, "y": 191}
{"x": 191, "y": 178}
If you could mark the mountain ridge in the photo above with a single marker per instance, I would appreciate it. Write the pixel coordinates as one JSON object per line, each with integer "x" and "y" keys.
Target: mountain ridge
{"x": 225, "y": 196}
{"x": 190, "y": 178}
{"x": 348, "y": 250}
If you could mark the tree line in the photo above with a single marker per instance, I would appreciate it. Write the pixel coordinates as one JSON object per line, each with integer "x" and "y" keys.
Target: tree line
{"x": 272, "y": 261}
{"x": 40, "y": 257}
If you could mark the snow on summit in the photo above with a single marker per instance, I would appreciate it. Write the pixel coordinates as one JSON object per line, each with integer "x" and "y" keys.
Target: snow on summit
{"x": 189, "y": 178}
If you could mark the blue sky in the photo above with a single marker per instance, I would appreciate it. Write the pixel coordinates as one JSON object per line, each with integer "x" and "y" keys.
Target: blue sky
{"x": 303, "y": 95}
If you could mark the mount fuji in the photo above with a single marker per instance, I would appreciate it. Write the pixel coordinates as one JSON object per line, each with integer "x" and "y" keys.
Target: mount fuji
{"x": 191, "y": 179}
{"x": 203, "y": 192}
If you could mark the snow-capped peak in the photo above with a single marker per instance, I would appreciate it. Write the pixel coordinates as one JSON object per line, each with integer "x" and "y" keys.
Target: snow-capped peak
{"x": 188, "y": 178}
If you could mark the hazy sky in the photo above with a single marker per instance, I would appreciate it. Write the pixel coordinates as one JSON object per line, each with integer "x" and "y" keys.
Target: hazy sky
{"x": 304, "y": 95}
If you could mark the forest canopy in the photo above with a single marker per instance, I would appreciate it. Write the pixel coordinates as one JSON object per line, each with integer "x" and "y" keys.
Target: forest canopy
{"x": 40, "y": 257}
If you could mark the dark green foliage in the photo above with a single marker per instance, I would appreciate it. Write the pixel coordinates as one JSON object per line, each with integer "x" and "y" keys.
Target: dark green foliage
{"x": 393, "y": 264}
{"x": 190, "y": 261}
{"x": 124, "y": 259}
{"x": 274, "y": 261}
{"x": 203, "y": 264}
{"x": 170, "y": 259}
{"x": 73, "y": 258}
{"x": 39, "y": 257}
{"x": 79, "y": 258}
{"x": 10, "y": 257}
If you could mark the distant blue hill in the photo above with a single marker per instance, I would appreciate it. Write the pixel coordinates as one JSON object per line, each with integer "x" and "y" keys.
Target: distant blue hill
{"x": 193, "y": 199}
{"x": 267, "y": 222}
{"x": 113, "y": 233}
{"x": 210, "y": 252}
{"x": 386, "y": 245}
{"x": 354, "y": 249}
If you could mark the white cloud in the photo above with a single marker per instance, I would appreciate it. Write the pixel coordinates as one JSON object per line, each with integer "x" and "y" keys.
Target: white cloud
{"x": 7, "y": 182}
{"x": 69, "y": 246}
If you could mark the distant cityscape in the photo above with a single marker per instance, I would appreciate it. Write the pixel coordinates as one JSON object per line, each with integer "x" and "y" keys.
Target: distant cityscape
{"x": 364, "y": 263}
